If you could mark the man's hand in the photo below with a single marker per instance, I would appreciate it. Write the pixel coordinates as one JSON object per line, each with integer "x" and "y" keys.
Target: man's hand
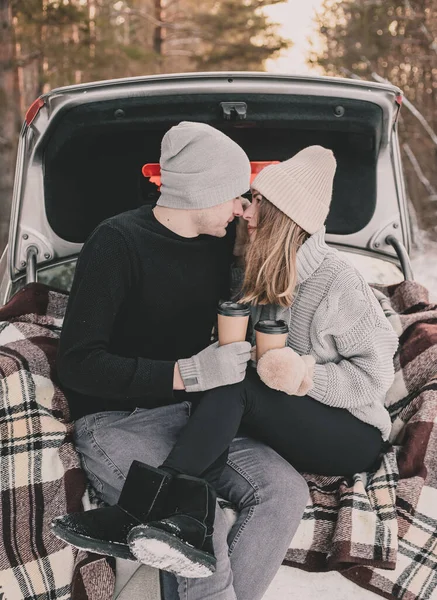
{"x": 215, "y": 366}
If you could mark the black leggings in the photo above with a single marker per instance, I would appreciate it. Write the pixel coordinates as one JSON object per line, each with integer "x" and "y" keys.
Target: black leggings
{"x": 313, "y": 437}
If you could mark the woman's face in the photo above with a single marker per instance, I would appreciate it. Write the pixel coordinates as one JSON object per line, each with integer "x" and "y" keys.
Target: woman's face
{"x": 251, "y": 214}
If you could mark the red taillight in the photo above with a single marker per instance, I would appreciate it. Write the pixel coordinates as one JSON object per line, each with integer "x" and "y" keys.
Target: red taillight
{"x": 153, "y": 170}
{"x": 399, "y": 98}
{"x": 33, "y": 110}
{"x": 258, "y": 166}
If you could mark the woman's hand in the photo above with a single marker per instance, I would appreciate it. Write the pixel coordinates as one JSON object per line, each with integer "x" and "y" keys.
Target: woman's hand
{"x": 284, "y": 370}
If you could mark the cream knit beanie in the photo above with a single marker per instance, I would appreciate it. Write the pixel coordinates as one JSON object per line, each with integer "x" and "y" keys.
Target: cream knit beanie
{"x": 301, "y": 187}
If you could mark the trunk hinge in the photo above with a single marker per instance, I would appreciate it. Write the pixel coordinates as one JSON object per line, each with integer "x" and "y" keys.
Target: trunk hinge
{"x": 390, "y": 237}
{"x": 32, "y": 249}
{"x": 31, "y": 257}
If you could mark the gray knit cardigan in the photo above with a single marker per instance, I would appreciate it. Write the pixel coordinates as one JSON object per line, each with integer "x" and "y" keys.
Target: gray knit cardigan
{"x": 337, "y": 319}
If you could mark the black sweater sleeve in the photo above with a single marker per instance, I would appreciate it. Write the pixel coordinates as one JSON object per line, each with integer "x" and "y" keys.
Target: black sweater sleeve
{"x": 103, "y": 276}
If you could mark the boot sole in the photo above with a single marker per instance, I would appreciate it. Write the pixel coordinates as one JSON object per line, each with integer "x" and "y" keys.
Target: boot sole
{"x": 88, "y": 544}
{"x": 167, "y": 552}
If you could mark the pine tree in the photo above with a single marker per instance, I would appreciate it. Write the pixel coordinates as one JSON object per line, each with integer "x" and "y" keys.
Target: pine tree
{"x": 236, "y": 35}
{"x": 396, "y": 40}
{"x": 10, "y": 118}
{"x": 51, "y": 43}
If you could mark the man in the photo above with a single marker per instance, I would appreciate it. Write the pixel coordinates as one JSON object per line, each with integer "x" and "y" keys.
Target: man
{"x": 144, "y": 297}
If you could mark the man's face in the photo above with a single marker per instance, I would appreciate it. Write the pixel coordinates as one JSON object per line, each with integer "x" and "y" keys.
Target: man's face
{"x": 214, "y": 220}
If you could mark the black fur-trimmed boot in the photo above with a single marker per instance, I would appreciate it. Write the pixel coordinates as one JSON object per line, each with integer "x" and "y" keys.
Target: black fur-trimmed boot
{"x": 105, "y": 530}
{"x": 182, "y": 541}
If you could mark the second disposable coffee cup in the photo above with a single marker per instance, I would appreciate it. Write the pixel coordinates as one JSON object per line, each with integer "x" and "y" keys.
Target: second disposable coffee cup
{"x": 233, "y": 319}
{"x": 270, "y": 335}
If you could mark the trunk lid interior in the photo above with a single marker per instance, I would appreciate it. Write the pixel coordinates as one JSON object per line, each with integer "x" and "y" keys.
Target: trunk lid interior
{"x": 80, "y": 161}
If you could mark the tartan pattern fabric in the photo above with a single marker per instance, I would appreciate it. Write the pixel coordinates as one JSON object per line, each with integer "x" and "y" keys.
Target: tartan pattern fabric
{"x": 40, "y": 474}
{"x": 379, "y": 529}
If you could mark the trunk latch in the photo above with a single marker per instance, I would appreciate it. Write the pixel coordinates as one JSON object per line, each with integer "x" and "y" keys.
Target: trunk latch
{"x": 237, "y": 110}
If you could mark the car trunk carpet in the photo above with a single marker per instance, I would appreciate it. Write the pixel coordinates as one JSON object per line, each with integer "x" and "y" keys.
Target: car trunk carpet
{"x": 378, "y": 529}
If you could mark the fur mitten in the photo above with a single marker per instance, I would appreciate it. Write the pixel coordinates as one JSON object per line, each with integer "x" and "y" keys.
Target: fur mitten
{"x": 282, "y": 369}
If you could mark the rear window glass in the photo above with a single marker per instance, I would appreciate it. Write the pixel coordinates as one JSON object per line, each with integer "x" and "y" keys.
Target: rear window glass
{"x": 57, "y": 276}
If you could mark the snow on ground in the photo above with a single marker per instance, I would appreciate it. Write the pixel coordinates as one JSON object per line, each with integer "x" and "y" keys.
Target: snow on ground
{"x": 424, "y": 263}
{"x": 292, "y": 584}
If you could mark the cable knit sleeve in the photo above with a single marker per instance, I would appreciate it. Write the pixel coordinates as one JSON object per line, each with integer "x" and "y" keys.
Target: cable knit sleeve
{"x": 366, "y": 343}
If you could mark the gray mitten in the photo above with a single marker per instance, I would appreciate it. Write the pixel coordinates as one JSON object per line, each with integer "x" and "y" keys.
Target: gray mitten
{"x": 215, "y": 366}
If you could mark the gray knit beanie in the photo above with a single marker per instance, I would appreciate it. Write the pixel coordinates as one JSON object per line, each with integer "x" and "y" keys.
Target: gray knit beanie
{"x": 301, "y": 187}
{"x": 201, "y": 167}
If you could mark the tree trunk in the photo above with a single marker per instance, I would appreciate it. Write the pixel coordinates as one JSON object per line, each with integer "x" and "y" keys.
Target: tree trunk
{"x": 158, "y": 35}
{"x": 9, "y": 116}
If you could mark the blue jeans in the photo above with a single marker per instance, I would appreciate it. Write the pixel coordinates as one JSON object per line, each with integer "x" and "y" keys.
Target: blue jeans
{"x": 270, "y": 495}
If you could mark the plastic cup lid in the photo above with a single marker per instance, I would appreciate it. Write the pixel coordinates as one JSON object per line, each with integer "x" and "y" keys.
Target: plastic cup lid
{"x": 272, "y": 327}
{"x": 233, "y": 309}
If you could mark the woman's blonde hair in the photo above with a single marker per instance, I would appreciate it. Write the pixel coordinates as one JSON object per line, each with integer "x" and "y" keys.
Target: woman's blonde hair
{"x": 270, "y": 276}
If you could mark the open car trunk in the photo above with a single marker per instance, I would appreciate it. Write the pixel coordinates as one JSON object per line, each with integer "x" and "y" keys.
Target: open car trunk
{"x": 80, "y": 162}
{"x": 85, "y": 150}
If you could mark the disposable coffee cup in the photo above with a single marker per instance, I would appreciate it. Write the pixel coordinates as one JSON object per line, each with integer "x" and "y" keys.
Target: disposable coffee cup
{"x": 270, "y": 335}
{"x": 233, "y": 319}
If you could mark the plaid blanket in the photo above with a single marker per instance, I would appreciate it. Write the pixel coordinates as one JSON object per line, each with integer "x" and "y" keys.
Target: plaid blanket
{"x": 40, "y": 475}
{"x": 379, "y": 529}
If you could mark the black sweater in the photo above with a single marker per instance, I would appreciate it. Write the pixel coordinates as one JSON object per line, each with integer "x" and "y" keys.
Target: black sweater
{"x": 142, "y": 297}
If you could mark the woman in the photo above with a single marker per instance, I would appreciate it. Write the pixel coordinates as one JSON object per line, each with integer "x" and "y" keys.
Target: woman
{"x": 319, "y": 402}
